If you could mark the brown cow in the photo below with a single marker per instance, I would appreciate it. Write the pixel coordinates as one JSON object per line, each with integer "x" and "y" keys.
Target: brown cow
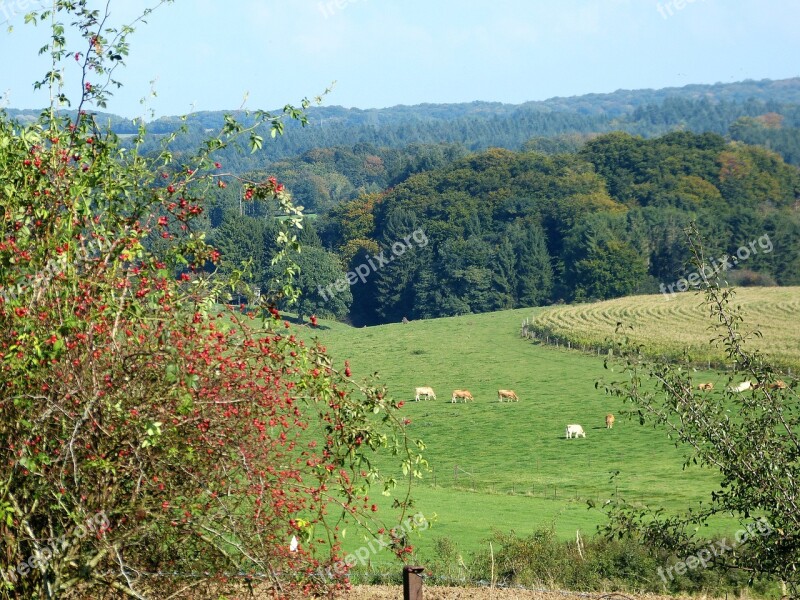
{"x": 705, "y": 387}
{"x": 502, "y": 394}
{"x": 778, "y": 385}
{"x": 609, "y": 421}
{"x": 461, "y": 394}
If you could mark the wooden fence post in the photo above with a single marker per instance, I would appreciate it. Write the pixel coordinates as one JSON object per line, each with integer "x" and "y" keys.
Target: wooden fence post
{"x": 412, "y": 582}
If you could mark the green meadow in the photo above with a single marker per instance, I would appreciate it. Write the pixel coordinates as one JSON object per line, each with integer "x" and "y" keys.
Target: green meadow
{"x": 508, "y": 465}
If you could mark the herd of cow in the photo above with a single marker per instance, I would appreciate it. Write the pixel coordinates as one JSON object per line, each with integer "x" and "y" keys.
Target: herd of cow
{"x": 745, "y": 386}
{"x": 573, "y": 430}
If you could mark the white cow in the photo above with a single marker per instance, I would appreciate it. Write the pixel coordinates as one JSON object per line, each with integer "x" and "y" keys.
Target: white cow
{"x": 424, "y": 391}
{"x": 575, "y": 430}
{"x": 742, "y": 387}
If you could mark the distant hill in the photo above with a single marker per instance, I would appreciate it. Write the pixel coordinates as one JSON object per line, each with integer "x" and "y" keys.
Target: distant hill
{"x": 480, "y": 125}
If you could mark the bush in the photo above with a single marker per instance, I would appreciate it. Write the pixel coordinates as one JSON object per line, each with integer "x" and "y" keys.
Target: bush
{"x": 595, "y": 564}
{"x": 145, "y": 428}
{"x": 748, "y": 278}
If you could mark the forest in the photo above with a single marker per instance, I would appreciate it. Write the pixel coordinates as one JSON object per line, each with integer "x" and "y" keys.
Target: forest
{"x": 506, "y": 229}
{"x": 564, "y": 200}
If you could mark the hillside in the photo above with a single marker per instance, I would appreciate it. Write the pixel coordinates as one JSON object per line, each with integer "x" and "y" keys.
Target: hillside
{"x": 513, "y": 456}
{"x": 481, "y": 125}
{"x": 507, "y": 229}
{"x": 669, "y": 324}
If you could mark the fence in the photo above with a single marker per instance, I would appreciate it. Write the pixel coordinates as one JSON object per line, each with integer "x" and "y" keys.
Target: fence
{"x": 414, "y": 580}
{"x": 545, "y": 335}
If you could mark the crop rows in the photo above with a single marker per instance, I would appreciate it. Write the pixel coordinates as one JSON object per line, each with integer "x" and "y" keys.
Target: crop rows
{"x": 668, "y": 327}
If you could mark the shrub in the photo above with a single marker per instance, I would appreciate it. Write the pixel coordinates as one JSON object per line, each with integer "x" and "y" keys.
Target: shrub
{"x": 145, "y": 428}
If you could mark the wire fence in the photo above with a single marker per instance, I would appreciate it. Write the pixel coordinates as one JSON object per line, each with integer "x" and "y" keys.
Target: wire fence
{"x": 541, "y": 334}
{"x": 389, "y": 574}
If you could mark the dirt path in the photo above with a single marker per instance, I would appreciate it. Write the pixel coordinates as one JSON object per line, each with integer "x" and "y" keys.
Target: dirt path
{"x": 448, "y": 593}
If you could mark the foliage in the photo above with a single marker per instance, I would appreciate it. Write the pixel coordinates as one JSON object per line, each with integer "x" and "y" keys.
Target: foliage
{"x": 247, "y": 245}
{"x": 589, "y": 564}
{"x": 145, "y": 428}
{"x": 750, "y": 437}
{"x": 323, "y": 286}
{"x": 512, "y": 229}
{"x": 477, "y": 126}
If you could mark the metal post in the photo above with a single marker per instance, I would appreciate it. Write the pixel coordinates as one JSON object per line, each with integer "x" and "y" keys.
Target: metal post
{"x": 412, "y": 582}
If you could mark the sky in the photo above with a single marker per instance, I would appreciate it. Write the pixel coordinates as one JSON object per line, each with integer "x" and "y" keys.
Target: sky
{"x": 262, "y": 54}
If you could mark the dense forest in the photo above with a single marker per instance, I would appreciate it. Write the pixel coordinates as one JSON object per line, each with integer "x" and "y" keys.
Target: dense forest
{"x": 727, "y": 109}
{"x": 437, "y": 210}
{"x": 502, "y": 229}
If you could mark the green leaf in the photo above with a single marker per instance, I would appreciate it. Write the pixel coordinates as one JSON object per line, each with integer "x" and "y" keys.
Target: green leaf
{"x": 171, "y": 373}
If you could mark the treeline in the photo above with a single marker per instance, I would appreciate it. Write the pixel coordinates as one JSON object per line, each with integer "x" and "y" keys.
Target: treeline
{"x": 502, "y": 229}
{"x": 497, "y": 126}
{"x": 325, "y": 176}
{"x": 480, "y": 125}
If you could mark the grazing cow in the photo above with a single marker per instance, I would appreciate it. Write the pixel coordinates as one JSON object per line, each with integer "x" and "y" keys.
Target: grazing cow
{"x": 424, "y": 391}
{"x": 610, "y": 421}
{"x": 461, "y": 394}
{"x": 741, "y": 387}
{"x": 705, "y": 387}
{"x": 575, "y": 430}
{"x": 503, "y": 394}
{"x": 777, "y": 385}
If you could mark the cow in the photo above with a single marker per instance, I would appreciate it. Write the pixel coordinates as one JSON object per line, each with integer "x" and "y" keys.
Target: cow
{"x": 741, "y": 387}
{"x": 575, "y": 430}
{"x": 777, "y": 385}
{"x": 705, "y": 387}
{"x": 503, "y": 394}
{"x": 461, "y": 394}
{"x": 609, "y": 421}
{"x": 424, "y": 391}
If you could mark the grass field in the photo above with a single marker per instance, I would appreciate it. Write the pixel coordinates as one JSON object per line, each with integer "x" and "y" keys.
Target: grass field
{"x": 669, "y": 326}
{"x": 507, "y": 465}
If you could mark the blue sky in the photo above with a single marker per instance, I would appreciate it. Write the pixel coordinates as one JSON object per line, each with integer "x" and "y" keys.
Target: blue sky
{"x": 209, "y": 54}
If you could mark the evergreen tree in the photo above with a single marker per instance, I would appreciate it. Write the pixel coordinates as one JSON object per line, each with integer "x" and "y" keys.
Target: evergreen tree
{"x": 534, "y": 269}
{"x": 323, "y": 284}
{"x": 396, "y": 280}
{"x": 241, "y": 240}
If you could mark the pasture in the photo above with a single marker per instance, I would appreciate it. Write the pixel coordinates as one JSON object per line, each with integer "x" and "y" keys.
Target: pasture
{"x": 507, "y": 465}
{"x": 669, "y": 326}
